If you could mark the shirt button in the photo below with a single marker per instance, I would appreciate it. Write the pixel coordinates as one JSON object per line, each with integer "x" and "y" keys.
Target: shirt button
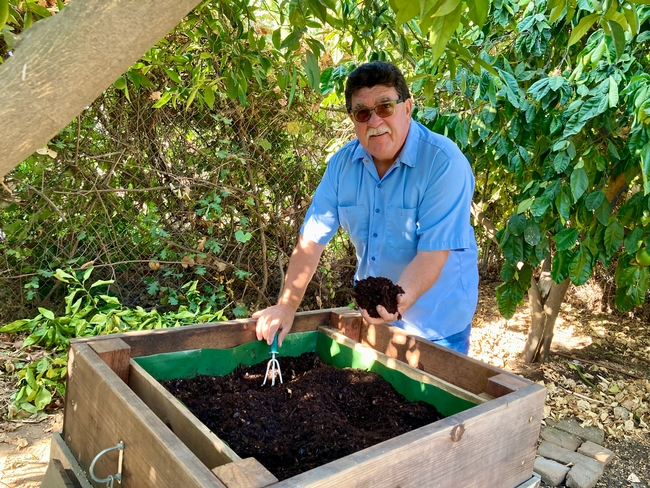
{"x": 379, "y": 185}
{"x": 374, "y": 235}
{"x": 377, "y": 210}
{"x": 372, "y": 258}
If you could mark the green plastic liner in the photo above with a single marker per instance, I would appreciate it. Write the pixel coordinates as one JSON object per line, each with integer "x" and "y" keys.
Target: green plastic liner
{"x": 220, "y": 362}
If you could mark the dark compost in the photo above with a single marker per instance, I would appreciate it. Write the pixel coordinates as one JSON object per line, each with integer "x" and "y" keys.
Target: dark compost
{"x": 373, "y": 291}
{"x": 319, "y": 414}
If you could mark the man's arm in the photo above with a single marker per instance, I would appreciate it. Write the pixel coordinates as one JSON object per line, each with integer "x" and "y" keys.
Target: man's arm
{"x": 279, "y": 317}
{"x": 420, "y": 275}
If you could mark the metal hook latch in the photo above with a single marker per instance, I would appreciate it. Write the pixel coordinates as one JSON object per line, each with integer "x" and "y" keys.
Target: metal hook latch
{"x": 114, "y": 477}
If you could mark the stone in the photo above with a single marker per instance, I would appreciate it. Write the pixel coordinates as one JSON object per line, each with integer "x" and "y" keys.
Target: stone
{"x": 551, "y": 472}
{"x": 582, "y": 476}
{"x": 621, "y": 413}
{"x": 557, "y": 453}
{"x": 561, "y": 438}
{"x": 599, "y": 453}
{"x": 572, "y": 426}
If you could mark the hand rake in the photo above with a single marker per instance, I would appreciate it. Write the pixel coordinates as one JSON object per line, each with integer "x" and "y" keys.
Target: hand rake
{"x": 273, "y": 364}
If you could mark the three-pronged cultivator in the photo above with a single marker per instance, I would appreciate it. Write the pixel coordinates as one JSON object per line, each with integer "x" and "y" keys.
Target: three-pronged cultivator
{"x": 273, "y": 366}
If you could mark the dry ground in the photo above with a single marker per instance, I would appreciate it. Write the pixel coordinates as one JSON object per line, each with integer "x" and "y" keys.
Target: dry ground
{"x": 609, "y": 351}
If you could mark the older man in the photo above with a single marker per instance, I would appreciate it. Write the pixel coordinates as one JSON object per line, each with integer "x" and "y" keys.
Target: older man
{"x": 403, "y": 194}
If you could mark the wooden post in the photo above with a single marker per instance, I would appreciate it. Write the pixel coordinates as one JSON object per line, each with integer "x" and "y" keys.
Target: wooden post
{"x": 117, "y": 354}
{"x": 348, "y": 322}
{"x": 504, "y": 383}
{"x": 63, "y": 63}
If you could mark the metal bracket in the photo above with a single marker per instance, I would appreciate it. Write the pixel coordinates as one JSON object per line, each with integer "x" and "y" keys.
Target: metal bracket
{"x": 114, "y": 477}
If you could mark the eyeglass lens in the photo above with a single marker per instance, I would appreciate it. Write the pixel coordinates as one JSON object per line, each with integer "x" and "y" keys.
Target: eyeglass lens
{"x": 384, "y": 110}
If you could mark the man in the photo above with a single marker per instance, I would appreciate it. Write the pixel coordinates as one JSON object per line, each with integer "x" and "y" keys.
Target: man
{"x": 403, "y": 194}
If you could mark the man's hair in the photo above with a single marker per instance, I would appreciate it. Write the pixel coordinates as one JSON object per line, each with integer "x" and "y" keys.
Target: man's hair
{"x": 376, "y": 73}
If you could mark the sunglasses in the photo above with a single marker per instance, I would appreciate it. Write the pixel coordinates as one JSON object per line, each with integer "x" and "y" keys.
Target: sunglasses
{"x": 384, "y": 109}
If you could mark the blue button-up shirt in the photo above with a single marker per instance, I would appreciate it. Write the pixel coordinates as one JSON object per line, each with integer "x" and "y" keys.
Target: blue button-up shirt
{"x": 421, "y": 204}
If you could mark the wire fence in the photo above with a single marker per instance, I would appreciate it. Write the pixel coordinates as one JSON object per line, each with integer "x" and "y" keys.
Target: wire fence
{"x": 157, "y": 198}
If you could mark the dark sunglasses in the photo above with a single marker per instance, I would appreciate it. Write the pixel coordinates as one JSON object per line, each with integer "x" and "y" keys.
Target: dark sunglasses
{"x": 384, "y": 109}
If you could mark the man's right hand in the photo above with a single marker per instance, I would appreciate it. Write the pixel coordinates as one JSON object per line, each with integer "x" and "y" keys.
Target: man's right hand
{"x": 273, "y": 319}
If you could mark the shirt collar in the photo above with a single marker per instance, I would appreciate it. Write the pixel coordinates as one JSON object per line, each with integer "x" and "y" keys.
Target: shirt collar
{"x": 408, "y": 154}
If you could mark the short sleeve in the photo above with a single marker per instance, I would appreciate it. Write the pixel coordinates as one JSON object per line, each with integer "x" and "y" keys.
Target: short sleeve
{"x": 322, "y": 221}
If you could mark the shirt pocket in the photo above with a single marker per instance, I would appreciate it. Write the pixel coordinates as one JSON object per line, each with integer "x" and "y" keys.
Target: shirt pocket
{"x": 401, "y": 227}
{"x": 354, "y": 219}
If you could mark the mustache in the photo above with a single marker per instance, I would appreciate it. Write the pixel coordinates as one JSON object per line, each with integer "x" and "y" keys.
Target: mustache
{"x": 377, "y": 131}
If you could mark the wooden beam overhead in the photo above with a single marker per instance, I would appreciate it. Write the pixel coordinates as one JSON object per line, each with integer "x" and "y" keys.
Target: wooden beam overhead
{"x": 63, "y": 63}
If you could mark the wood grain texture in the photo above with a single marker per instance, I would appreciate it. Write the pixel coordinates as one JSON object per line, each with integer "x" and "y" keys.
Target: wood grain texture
{"x": 211, "y": 450}
{"x": 101, "y": 410}
{"x": 56, "y": 476}
{"x": 116, "y": 354}
{"x": 218, "y": 335}
{"x": 446, "y": 364}
{"x": 247, "y": 473}
{"x": 63, "y": 63}
{"x": 60, "y": 451}
{"x": 491, "y": 445}
{"x": 404, "y": 368}
{"x": 502, "y": 384}
{"x": 348, "y": 322}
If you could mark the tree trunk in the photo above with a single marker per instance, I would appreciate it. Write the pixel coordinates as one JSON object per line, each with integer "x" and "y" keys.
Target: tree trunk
{"x": 544, "y": 309}
{"x": 66, "y": 61}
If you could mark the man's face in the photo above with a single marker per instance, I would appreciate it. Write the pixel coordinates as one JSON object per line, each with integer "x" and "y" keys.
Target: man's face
{"x": 383, "y": 138}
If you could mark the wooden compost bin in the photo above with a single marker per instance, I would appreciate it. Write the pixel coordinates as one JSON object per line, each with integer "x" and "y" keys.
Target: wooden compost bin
{"x": 110, "y": 398}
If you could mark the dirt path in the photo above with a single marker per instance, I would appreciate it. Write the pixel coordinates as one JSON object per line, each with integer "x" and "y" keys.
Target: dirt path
{"x": 613, "y": 353}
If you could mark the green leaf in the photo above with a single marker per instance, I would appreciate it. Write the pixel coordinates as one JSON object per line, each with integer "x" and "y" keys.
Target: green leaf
{"x": 581, "y": 266}
{"x": 174, "y": 76}
{"x": 618, "y": 34}
{"x": 43, "y": 398}
{"x": 478, "y": 11}
{"x": 441, "y": 30}
{"x": 240, "y": 311}
{"x": 594, "y": 200}
{"x": 582, "y": 28}
{"x": 16, "y": 326}
{"x": 613, "y": 237}
{"x": 579, "y": 183}
{"x": 313, "y": 71}
{"x": 517, "y": 224}
{"x": 208, "y": 96}
{"x": 532, "y": 233}
{"x": 61, "y": 275}
{"x": 508, "y": 297}
{"x": 632, "y": 242}
{"x": 242, "y": 236}
{"x": 406, "y": 11}
{"x": 565, "y": 239}
{"x": 46, "y": 313}
{"x": 102, "y": 283}
{"x": 613, "y": 92}
{"x": 645, "y": 168}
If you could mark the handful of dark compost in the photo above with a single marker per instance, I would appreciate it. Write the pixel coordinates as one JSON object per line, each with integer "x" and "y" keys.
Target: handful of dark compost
{"x": 373, "y": 291}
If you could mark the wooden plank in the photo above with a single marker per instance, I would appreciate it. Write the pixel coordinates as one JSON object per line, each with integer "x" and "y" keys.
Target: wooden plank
{"x": 101, "y": 410}
{"x": 56, "y": 476}
{"x": 86, "y": 46}
{"x": 446, "y": 364}
{"x": 402, "y": 367}
{"x": 116, "y": 354}
{"x": 220, "y": 335}
{"x": 348, "y": 322}
{"x": 59, "y": 451}
{"x": 247, "y": 473}
{"x": 502, "y": 384}
{"x": 211, "y": 450}
{"x": 493, "y": 445}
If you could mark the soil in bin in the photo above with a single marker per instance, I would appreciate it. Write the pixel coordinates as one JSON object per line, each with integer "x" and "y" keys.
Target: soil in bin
{"x": 319, "y": 414}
